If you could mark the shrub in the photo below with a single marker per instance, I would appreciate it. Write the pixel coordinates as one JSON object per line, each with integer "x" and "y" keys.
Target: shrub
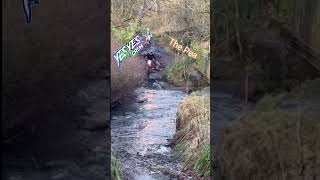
{"x": 177, "y": 72}
{"x": 130, "y": 74}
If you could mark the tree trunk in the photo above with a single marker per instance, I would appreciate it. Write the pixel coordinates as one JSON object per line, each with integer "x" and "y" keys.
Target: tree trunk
{"x": 141, "y": 12}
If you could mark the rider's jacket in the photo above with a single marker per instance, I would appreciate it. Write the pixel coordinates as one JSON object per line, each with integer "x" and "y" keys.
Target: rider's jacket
{"x": 150, "y": 56}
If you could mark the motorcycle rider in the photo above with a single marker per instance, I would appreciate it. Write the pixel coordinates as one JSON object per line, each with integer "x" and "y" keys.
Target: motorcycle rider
{"x": 151, "y": 62}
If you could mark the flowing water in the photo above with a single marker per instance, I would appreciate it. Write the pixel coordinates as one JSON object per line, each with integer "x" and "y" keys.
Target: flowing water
{"x": 141, "y": 136}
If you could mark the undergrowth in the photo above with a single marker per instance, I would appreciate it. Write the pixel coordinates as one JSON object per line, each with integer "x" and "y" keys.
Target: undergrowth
{"x": 202, "y": 55}
{"x": 177, "y": 72}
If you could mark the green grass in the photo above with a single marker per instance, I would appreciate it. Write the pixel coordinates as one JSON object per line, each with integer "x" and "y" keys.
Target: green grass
{"x": 202, "y": 165}
{"x": 199, "y": 163}
{"x": 202, "y": 54}
{"x": 116, "y": 169}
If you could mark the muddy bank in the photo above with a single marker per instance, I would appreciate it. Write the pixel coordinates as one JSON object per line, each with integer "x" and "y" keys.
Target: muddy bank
{"x": 131, "y": 74}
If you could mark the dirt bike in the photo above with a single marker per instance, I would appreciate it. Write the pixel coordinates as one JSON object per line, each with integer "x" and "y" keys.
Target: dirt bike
{"x": 149, "y": 66}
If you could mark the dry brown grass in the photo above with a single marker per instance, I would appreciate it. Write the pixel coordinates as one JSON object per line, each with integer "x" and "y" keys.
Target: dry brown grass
{"x": 193, "y": 132}
{"x": 130, "y": 74}
{"x": 280, "y": 140}
{"x": 193, "y": 115}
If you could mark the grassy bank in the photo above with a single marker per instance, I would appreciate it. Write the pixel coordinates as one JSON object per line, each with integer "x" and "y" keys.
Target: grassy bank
{"x": 193, "y": 133}
{"x": 186, "y": 71}
{"x": 177, "y": 73}
{"x": 280, "y": 139}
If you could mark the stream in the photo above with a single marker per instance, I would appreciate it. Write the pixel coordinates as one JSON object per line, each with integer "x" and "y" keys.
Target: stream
{"x": 141, "y": 136}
